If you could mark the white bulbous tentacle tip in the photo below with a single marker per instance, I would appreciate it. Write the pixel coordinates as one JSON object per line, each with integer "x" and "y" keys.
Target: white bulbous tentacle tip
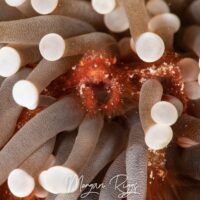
{"x": 59, "y": 179}
{"x": 104, "y": 6}
{"x": 164, "y": 112}
{"x": 156, "y": 7}
{"x": 15, "y": 3}
{"x": 52, "y": 47}
{"x": 10, "y": 61}
{"x": 117, "y": 21}
{"x": 158, "y": 136}
{"x": 20, "y": 183}
{"x": 192, "y": 90}
{"x": 149, "y": 47}
{"x": 26, "y": 94}
{"x": 189, "y": 68}
{"x": 167, "y": 20}
{"x": 44, "y": 7}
